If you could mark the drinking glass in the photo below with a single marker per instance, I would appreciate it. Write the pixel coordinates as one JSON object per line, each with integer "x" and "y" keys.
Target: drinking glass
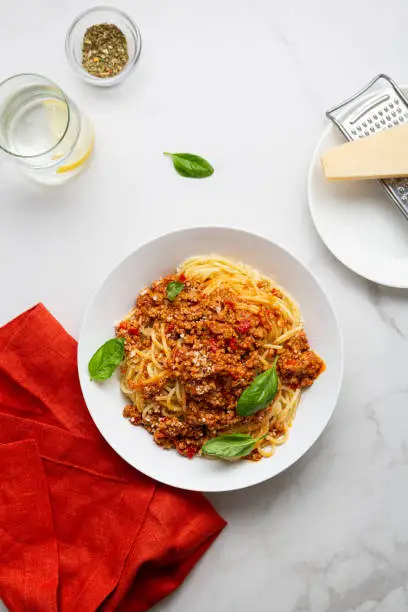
{"x": 42, "y": 129}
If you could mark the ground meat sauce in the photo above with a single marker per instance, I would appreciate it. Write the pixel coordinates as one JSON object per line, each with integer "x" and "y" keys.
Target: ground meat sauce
{"x": 215, "y": 352}
{"x": 298, "y": 366}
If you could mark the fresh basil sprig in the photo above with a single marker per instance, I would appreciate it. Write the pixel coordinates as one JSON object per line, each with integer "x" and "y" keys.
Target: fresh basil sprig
{"x": 191, "y": 166}
{"x": 260, "y": 392}
{"x": 229, "y": 446}
{"x": 106, "y": 359}
{"x": 173, "y": 289}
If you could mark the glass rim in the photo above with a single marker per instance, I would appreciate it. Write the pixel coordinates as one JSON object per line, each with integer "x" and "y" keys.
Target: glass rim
{"x": 65, "y": 100}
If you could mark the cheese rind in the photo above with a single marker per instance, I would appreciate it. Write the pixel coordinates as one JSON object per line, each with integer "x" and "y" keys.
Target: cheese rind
{"x": 382, "y": 155}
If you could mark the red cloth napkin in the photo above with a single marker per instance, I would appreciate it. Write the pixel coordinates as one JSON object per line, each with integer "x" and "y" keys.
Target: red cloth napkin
{"x": 79, "y": 528}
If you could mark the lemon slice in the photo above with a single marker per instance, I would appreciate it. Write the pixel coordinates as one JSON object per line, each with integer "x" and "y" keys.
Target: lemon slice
{"x": 57, "y": 117}
{"x": 77, "y": 163}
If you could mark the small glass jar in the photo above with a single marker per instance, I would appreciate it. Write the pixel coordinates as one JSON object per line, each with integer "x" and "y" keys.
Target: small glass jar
{"x": 99, "y": 15}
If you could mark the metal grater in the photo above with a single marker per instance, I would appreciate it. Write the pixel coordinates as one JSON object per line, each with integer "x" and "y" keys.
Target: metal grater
{"x": 378, "y": 106}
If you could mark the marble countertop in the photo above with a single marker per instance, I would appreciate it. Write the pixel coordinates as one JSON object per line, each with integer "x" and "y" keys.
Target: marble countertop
{"x": 246, "y": 84}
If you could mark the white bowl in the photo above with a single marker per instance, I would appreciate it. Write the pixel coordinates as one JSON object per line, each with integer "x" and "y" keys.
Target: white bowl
{"x": 117, "y": 295}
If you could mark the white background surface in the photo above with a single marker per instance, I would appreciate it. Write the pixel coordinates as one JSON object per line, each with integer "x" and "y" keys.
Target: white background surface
{"x": 244, "y": 83}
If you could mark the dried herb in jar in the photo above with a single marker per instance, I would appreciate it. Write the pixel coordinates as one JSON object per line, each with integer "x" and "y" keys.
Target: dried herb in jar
{"x": 104, "y": 50}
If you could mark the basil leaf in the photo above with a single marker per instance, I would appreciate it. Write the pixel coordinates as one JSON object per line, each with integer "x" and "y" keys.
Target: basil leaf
{"x": 106, "y": 359}
{"x": 230, "y": 445}
{"x": 173, "y": 289}
{"x": 260, "y": 392}
{"x": 191, "y": 166}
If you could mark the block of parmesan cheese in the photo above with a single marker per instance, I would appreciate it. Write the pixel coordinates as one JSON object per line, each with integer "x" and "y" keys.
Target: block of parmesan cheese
{"x": 382, "y": 155}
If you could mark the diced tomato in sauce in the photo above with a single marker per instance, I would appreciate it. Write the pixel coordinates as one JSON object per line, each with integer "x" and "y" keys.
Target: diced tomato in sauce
{"x": 213, "y": 345}
{"x": 133, "y": 331}
{"x": 232, "y": 343}
{"x": 244, "y": 326}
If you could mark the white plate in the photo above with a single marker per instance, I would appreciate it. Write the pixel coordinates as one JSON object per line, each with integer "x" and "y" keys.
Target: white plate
{"x": 117, "y": 295}
{"x": 358, "y": 222}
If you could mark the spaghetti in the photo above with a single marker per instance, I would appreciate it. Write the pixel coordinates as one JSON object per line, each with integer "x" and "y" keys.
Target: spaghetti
{"x": 188, "y": 360}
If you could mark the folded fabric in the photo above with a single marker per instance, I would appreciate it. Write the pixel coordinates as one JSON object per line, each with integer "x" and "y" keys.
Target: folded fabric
{"x": 79, "y": 528}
